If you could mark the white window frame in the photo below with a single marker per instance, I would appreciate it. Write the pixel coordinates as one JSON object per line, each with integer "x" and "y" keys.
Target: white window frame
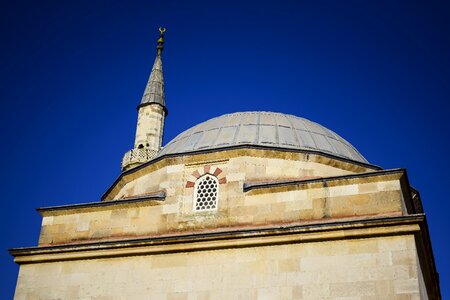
{"x": 197, "y": 182}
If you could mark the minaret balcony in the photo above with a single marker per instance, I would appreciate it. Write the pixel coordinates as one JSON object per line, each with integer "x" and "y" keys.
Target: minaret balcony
{"x": 137, "y": 156}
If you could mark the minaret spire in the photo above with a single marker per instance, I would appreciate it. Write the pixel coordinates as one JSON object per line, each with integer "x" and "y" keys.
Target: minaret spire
{"x": 154, "y": 91}
{"x": 151, "y": 114}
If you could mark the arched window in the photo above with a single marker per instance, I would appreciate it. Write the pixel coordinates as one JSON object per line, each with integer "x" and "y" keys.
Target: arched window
{"x": 206, "y": 193}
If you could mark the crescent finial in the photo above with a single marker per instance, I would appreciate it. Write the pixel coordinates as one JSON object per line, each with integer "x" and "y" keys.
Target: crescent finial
{"x": 161, "y": 40}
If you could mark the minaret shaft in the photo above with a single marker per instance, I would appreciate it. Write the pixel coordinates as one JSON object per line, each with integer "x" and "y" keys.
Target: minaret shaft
{"x": 150, "y": 127}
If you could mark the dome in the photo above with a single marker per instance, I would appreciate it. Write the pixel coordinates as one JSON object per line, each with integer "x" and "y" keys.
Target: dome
{"x": 267, "y": 129}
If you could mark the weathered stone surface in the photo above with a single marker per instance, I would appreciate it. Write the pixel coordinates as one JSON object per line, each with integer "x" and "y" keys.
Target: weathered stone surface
{"x": 359, "y": 197}
{"x": 353, "y": 269}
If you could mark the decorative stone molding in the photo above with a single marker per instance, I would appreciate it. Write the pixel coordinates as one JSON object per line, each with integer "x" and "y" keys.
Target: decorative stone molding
{"x": 207, "y": 169}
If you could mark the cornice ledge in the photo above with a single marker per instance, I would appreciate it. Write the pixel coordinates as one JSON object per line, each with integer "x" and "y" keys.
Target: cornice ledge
{"x": 249, "y": 237}
{"x": 248, "y": 186}
{"x": 154, "y": 197}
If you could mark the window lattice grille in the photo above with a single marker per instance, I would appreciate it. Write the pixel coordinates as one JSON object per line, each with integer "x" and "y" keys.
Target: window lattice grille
{"x": 206, "y": 193}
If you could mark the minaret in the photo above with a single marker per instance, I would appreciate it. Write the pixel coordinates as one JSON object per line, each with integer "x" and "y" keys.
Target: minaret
{"x": 151, "y": 114}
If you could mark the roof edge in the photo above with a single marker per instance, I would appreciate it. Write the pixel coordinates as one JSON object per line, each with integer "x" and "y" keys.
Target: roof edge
{"x": 263, "y": 185}
{"x": 161, "y": 196}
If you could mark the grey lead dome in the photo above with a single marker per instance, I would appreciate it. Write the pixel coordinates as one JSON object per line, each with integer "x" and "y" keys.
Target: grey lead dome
{"x": 263, "y": 129}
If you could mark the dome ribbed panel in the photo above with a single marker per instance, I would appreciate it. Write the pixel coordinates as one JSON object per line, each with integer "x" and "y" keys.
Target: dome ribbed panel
{"x": 265, "y": 129}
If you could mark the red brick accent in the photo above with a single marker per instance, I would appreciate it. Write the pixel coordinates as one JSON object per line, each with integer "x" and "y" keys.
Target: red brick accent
{"x": 217, "y": 172}
{"x": 222, "y": 180}
{"x": 206, "y": 169}
{"x": 196, "y": 174}
{"x": 189, "y": 184}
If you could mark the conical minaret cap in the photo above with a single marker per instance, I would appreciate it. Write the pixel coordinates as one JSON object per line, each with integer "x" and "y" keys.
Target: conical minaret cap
{"x": 154, "y": 91}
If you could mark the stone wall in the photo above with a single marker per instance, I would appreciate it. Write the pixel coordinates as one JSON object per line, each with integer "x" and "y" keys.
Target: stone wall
{"x": 338, "y": 199}
{"x": 371, "y": 268}
{"x": 238, "y": 169}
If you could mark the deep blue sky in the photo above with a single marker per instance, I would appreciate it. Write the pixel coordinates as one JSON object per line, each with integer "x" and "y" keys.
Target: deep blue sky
{"x": 72, "y": 74}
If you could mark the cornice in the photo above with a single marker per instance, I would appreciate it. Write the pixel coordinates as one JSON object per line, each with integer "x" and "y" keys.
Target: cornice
{"x": 243, "y": 237}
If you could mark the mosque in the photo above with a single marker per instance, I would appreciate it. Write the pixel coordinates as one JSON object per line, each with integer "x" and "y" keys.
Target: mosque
{"x": 248, "y": 205}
